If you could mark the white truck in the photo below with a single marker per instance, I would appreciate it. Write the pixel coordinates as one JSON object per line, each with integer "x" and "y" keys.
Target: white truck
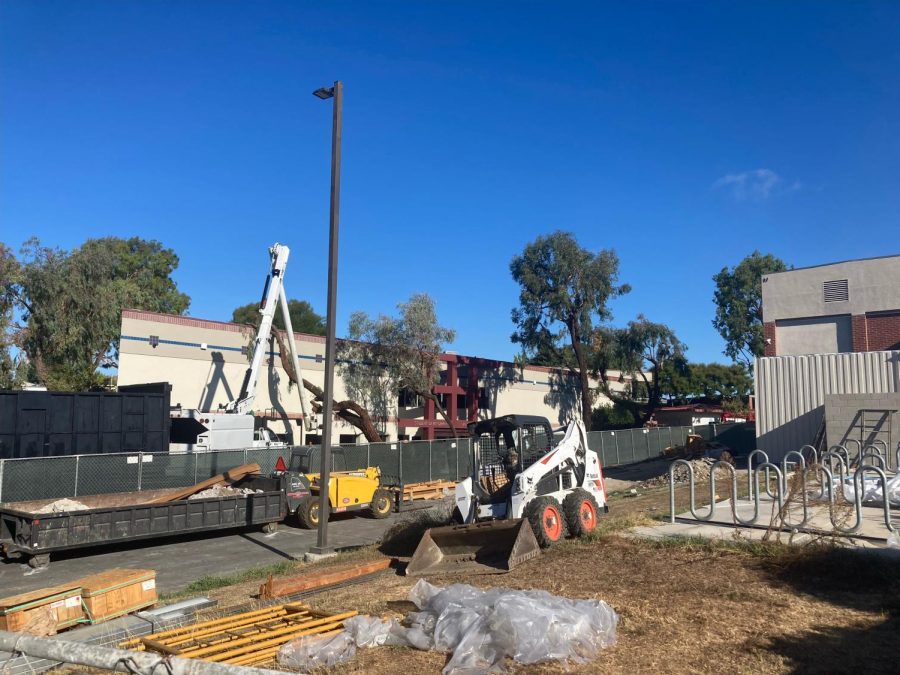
{"x": 234, "y": 426}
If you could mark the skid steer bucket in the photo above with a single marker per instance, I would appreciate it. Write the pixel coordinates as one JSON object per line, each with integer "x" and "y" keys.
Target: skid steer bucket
{"x": 483, "y": 548}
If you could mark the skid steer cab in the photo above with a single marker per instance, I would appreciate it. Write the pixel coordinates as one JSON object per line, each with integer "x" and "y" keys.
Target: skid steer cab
{"x": 355, "y": 490}
{"x": 518, "y": 472}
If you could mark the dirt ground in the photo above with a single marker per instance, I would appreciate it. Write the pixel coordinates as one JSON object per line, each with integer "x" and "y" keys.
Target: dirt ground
{"x": 687, "y": 607}
{"x": 684, "y": 607}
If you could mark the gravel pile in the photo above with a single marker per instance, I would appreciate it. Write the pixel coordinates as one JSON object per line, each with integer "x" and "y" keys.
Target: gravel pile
{"x": 62, "y": 506}
{"x": 682, "y": 473}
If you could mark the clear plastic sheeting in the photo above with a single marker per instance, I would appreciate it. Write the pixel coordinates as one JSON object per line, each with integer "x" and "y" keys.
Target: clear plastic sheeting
{"x": 317, "y": 651}
{"x": 872, "y": 490}
{"x": 481, "y": 628}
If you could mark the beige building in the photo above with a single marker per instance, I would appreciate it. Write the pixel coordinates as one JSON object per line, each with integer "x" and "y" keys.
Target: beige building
{"x": 205, "y": 362}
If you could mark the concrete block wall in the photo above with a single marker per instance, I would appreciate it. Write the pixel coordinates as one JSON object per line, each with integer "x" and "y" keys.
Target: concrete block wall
{"x": 841, "y": 421}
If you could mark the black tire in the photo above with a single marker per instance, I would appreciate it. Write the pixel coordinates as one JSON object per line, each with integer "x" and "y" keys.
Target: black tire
{"x": 548, "y": 529}
{"x": 382, "y": 504}
{"x": 308, "y": 512}
{"x": 577, "y": 518}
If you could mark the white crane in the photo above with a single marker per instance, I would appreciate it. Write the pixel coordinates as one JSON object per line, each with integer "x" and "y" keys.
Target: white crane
{"x": 233, "y": 426}
{"x": 273, "y": 296}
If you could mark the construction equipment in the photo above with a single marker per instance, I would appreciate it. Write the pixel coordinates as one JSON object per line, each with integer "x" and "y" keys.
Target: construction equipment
{"x": 519, "y": 478}
{"x": 233, "y": 427}
{"x": 347, "y": 490}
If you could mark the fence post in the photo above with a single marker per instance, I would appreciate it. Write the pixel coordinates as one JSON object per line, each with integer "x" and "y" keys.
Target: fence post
{"x": 616, "y": 436}
{"x": 2, "y": 464}
{"x": 649, "y": 431}
{"x": 140, "y": 469}
{"x": 195, "y": 467}
{"x": 368, "y": 455}
{"x": 400, "y": 462}
{"x": 77, "y": 457}
{"x": 430, "y": 459}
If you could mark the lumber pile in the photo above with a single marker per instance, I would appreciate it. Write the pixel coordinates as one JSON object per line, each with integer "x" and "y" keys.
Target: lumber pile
{"x": 276, "y": 588}
{"x": 245, "y": 639}
{"x": 432, "y": 489}
{"x": 226, "y": 478}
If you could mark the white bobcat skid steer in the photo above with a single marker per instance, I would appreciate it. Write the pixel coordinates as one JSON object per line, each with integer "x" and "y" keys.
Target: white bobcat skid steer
{"x": 523, "y": 494}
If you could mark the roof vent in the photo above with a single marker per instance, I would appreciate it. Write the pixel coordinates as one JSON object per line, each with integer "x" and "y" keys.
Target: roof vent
{"x": 836, "y": 291}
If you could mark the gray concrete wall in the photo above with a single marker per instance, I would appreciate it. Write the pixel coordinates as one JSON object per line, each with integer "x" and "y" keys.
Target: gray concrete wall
{"x": 820, "y": 335}
{"x": 874, "y": 286}
{"x": 842, "y": 418}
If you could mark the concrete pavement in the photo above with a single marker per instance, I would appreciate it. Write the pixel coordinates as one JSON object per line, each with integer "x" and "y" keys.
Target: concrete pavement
{"x": 179, "y": 561}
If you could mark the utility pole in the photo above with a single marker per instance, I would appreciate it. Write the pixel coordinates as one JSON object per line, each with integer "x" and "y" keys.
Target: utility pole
{"x": 336, "y": 94}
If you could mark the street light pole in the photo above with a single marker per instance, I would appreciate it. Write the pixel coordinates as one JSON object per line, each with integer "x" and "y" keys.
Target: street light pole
{"x": 335, "y": 93}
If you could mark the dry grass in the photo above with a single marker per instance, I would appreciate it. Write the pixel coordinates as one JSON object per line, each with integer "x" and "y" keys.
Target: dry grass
{"x": 686, "y": 606}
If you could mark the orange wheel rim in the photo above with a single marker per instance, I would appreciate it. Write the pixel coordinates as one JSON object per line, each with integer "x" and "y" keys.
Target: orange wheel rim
{"x": 588, "y": 516}
{"x": 552, "y": 523}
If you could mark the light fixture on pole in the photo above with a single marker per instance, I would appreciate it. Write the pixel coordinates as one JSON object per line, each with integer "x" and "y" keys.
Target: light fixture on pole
{"x": 336, "y": 93}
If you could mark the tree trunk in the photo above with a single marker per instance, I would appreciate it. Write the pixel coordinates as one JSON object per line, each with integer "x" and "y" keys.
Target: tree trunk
{"x": 581, "y": 358}
{"x": 349, "y": 411}
{"x": 652, "y": 396}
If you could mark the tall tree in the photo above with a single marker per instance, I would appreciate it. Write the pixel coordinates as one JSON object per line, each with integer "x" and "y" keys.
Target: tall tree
{"x": 645, "y": 345}
{"x": 738, "y": 299}
{"x": 728, "y": 385}
{"x": 304, "y": 318}
{"x": 72, "y": 303}
{"x": 564, "y": 293}
{"x": 403, "y": 352}
{"x": 9, "y": 270}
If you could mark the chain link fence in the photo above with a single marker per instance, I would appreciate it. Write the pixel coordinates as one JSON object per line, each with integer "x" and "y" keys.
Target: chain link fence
{"x": 400, "y": 462}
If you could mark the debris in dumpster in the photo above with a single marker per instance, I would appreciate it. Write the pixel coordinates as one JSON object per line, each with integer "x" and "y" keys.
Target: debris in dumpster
{"x": 231, "y": 476}
{"x": 62, "y": 506}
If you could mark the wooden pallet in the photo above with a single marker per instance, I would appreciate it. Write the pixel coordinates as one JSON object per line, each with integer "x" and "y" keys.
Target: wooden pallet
{"x": 250, "y": 638}
{"x": 433, "y": 489}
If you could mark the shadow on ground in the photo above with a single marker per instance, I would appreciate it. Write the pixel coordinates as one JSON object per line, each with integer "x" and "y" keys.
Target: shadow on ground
{"x": 868, "y": 581}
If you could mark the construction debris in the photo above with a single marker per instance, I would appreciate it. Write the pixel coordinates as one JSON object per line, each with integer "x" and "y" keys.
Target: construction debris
{"x": 231, "y": 476}
{"x": 701, "y": 468}
{"x": 223, "y": 491}
{"x": 62, "y": 506}
{"x": 274, "y": 588}
{"x": 433, "y": 489}
{"x": 243, "y": 639}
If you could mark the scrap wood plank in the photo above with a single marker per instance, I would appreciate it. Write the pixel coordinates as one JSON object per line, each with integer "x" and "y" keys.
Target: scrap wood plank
{"x": 231, "y": 476}
{"x": 274, "y": 588}
{"x": 434, "y": 489}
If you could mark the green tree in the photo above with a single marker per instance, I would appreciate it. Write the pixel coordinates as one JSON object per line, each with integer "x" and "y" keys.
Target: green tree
{"x": 738, "y": 299}
{"x": 9, "y": 270}
{"x": 402, "y": 352}
{"x": 564, "y": 291}
{"x": 645, "y": 346}
{"x": 304, "y": 318}
{"x": 72, "y": 303}
{"x": 728, "y": 385}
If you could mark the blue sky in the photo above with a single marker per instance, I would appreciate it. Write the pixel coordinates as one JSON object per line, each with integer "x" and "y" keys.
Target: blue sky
{"x": 683, "y": 135}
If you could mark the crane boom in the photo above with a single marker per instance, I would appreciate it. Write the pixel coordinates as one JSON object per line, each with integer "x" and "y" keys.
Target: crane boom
{"x": 273, "y": 297}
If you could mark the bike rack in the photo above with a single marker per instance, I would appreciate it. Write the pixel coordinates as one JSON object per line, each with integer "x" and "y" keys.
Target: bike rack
{"x": 837, "y": 456}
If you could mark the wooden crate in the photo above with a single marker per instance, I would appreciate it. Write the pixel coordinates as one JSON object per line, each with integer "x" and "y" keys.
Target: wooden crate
{"x": 116, "y": 592}
{"x": 44, "y": 611}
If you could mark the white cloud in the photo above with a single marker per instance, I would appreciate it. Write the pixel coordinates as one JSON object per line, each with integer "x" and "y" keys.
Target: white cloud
{"x": 758, "y": 184}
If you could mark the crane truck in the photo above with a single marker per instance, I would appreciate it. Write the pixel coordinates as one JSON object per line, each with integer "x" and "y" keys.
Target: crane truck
{"x": 233, "y": 425}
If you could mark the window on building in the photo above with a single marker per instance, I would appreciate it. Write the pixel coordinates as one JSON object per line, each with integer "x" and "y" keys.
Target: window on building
{"x": 347, "y": 439}
{"x": 461, "y": 412}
